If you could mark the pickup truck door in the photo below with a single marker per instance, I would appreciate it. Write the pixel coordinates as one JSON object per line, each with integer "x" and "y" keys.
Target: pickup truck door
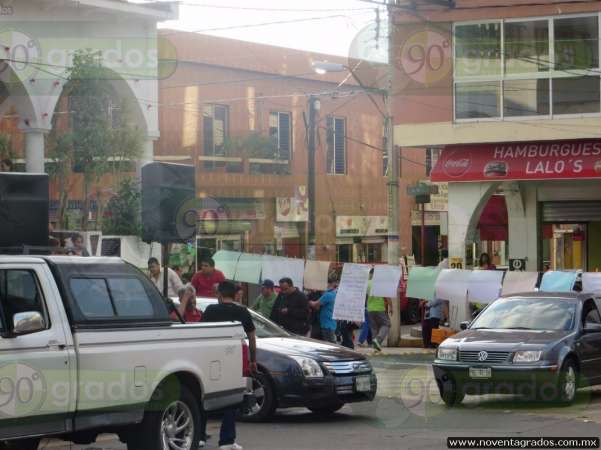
{"x": 35, "y": 368}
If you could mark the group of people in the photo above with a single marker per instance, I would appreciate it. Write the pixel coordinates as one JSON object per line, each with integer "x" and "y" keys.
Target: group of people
{"x": 75, "y": 248}
{"x": 313, "y": 314}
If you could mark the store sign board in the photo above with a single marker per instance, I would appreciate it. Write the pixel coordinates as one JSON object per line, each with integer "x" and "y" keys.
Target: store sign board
{"x": 361, "y": 226}
{"x": 293, "y": 209}
{"x": 520, "y": 161}
{"x": 439, "y": 201}
{"x": 432, "y": 218}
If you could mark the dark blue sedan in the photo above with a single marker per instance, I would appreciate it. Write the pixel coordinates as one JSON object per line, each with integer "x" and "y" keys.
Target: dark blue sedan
{"x": 296, "y": 371}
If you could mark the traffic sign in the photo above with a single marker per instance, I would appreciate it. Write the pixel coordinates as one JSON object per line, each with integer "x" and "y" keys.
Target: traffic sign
{"x": 422, "y": 189}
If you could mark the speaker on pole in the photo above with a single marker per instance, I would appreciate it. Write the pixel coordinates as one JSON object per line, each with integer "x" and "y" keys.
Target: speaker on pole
{"x": 169, "y": 212}
{"x": 24, "y": 214}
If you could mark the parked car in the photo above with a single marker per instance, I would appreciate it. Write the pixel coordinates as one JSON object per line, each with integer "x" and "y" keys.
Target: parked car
{"x": 87, "y": 347}
{"x": 544, "y": 345}
{"x": 296, "y": 371}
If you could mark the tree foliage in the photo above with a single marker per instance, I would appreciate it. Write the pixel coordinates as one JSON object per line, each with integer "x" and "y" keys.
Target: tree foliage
{"x": 123, "y": 211}
{"x": 94, "y": 144}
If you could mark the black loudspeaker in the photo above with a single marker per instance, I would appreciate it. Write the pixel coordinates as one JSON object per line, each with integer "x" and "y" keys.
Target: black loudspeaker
{"x": 23, "y": 210}
{"x": 169, "y": 212}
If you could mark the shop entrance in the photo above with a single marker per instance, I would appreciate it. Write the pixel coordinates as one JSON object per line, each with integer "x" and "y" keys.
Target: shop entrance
{"x": 571, "y": 235}
{"x": 564, "y": 246}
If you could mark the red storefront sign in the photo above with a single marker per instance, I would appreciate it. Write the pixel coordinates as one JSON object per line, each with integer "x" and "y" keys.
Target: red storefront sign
{"x": 520, "y": 161}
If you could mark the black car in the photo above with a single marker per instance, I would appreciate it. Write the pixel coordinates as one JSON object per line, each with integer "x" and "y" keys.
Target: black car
{"x": 544, "y": 345}
{"x": 296, "y": 371}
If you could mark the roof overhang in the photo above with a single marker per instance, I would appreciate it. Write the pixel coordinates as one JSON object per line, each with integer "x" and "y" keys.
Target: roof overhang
{"x": 158, "y": 11}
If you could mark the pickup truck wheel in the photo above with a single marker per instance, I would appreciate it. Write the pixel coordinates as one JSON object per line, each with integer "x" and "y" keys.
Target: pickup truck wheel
{"x": 170, "y": 423}
{"x": 265, "y": 404}
{"x": 20, "y": 444}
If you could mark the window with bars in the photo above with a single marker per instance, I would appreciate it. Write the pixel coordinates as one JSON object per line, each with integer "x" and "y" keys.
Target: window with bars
{"x": 280, "y": 131}
{"x": 336, "y": 145}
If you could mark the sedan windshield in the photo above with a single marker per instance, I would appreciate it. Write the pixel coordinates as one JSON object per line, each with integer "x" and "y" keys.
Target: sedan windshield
{"x": 266, "y": 328}
{"x": 528, "y": 314}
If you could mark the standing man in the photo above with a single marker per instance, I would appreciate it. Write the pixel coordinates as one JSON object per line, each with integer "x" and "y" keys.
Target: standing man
{"x": 264, "y": 302}
{"x": 174, "y": 284}
{"x": 227, "y": 310}
{"x": 291, "y": 309}
{"x": 431, "y": 321}
{"x": 378, "y": 309}
{"x": 78, "y": 246}
{"x": 325, "y": 306}
{"x": 206, "y": 280}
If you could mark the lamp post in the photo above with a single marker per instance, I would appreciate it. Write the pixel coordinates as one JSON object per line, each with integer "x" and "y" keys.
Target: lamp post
{"x": 392, "y": 172}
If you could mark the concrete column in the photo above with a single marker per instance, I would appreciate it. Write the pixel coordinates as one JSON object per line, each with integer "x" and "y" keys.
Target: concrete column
{"x": 34, "y": 151}
{"x": 466, "y": 201}
{"x": 146, "y": 157}
{"x": 523, "y": 227}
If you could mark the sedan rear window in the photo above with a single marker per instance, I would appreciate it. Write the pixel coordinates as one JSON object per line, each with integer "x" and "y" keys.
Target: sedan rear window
{"x": 528, "y": 314}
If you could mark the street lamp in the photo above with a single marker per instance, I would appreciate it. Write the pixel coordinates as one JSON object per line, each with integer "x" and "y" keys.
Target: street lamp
{"x": 323, "y": 67}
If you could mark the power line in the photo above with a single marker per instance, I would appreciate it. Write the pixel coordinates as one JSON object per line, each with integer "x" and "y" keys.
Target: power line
{"x": 254, "y": 8}
{"x": 253, "y": 25}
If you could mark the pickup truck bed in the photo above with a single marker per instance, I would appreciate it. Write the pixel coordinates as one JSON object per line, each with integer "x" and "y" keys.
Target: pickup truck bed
{"x": 87, "y": 346}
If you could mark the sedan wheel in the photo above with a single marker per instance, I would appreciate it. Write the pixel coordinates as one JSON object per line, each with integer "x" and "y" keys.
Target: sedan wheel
{"x": 568, "y": 383}
{"x": 264, "y": 405}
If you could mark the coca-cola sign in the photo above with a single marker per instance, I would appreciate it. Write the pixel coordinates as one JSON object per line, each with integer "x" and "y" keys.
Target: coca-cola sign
{"x": 456, "y": 164}
{"x": 520, "y": 161}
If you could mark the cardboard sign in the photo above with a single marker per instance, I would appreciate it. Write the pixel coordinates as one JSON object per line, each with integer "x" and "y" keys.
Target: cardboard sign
{"x": 350, "y": 299}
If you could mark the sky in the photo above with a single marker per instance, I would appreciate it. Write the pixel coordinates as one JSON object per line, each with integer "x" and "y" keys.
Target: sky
{"x": 331, "y": 26}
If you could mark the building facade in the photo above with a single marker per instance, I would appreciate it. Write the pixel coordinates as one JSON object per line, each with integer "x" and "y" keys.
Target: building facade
{"x": 508, "y": 95}
{"x": 239, "y": 112}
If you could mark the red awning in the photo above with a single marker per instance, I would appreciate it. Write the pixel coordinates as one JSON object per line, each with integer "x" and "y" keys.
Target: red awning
{"x": 493, "y": 224}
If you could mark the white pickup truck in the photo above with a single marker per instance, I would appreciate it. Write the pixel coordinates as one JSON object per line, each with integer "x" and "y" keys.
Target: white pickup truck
{"x": 87, "y": 346}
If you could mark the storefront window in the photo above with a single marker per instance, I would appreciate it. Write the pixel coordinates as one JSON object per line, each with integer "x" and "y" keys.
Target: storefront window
{"x": 344, "y": 253}
{"x": 576, "y": 43}
{"x": 478, "y": 49}
{"x": 576, "y": 95}
{"x": 477, "y": 100}
{"x": 564, "y": 246}
{"x": 527, "y": 47}
{"x": 514, "y": 68}
{"x": 526, "y": 98}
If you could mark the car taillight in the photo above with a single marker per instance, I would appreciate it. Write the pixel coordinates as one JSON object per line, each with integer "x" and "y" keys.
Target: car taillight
{"x": 245, "y": 359}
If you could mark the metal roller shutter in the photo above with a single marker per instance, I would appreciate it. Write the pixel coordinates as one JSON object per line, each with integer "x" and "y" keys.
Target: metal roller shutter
{"x": 573, "y": 212}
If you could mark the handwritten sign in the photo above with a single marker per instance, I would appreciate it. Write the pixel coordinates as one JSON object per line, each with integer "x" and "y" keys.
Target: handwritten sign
{"x": 386, "y": 281}
{"x": 350, "y": 299}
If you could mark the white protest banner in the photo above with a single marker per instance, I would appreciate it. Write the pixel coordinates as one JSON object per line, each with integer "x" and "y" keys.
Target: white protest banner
{"x": 385, "y": 282}
{"x": 484, "y": 286}
{"x": 226, "y": 261}
{"x": 451, "y": 285}
{"x": 516, "y": 282}
{"x": 350, "y": 299}
{"x": 275, "y": 268}
{"x": 422, "y": 282}
{"x": 591, "y": 282}
{"x": 249, "y": 268}
{"x": 316, "y": 275}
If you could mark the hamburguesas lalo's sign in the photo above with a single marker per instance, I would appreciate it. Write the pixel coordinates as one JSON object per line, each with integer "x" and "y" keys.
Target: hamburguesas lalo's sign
{"x": 520, "y": 161}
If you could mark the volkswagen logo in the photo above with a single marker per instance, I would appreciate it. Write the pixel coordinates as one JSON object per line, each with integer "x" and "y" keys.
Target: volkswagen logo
{"x": 482, "y": 356}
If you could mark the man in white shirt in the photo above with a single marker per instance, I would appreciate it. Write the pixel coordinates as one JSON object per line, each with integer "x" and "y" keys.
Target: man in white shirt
{"x": 156, "y": 276}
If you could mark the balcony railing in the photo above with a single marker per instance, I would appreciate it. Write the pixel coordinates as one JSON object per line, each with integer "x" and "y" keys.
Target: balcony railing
{"x": 251, "y": 166}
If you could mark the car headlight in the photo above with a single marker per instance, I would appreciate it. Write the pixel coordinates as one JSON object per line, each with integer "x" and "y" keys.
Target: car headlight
{"x": 527, "y": 356}
{"x": 448, "y": 354}
{"x": 310, "y": 367}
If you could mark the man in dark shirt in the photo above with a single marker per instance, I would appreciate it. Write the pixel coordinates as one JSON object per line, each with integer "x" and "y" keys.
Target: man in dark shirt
{"x": 291, "y": 309}
{"x": 226, "y": 311}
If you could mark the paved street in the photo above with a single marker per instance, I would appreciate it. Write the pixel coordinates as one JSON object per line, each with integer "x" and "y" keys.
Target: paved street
{"x": 408, "y": 411}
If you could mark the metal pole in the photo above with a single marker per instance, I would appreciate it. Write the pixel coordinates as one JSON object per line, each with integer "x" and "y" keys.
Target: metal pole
{"x": 165, "y": 263}
{"x": 423, "y": 237}
{"x": 393, "y": 181}
{"x": 310, "y": 250}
